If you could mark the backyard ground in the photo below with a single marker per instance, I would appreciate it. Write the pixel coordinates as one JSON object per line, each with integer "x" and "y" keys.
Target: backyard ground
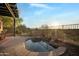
{"x": 16, "y": 46}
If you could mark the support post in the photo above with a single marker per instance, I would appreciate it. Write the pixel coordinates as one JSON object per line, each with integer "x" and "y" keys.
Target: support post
{"x": 14, "y": 27}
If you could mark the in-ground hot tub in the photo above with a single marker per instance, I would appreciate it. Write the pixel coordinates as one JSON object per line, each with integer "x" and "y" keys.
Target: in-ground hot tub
{"x": 38, "y": 45}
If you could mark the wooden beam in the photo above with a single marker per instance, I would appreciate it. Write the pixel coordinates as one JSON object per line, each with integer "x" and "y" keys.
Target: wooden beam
{"x": 5, "y": 10}
{"x": 7, "y": 13}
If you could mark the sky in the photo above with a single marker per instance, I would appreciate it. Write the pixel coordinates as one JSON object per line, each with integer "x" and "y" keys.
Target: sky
{"x": 37, "y": 14}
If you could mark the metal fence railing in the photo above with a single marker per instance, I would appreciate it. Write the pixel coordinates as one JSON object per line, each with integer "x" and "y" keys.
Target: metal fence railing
{"x": 68, "y": 26}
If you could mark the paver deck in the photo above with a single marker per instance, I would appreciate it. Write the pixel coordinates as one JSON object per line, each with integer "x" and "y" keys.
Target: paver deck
{"x": 16, "y": 46}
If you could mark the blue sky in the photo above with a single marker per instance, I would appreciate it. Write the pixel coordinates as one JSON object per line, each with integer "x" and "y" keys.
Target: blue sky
{"x": 35, "y": 15}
